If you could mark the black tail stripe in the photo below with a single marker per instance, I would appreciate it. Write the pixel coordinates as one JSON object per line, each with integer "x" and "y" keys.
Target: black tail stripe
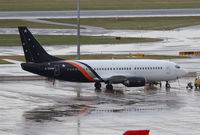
{"x": 95, "y": 73}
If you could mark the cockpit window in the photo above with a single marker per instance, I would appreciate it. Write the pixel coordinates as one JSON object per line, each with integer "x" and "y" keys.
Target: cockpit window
{"x": 177, "y": 66}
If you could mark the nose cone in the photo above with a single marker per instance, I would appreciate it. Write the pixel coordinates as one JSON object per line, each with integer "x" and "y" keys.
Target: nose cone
{"x": 182, "y": 72}
{"x": 185, "y": 71}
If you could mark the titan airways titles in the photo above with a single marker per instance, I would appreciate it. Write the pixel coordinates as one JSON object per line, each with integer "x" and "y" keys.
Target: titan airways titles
{"x": 131, "y": 73}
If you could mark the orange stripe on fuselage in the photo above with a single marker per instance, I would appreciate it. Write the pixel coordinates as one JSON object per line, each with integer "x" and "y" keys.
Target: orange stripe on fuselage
{"x": 82, "y": 70}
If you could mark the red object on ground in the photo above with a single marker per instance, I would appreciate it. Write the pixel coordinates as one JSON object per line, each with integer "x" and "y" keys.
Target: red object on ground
{"x": 137, "y": 132}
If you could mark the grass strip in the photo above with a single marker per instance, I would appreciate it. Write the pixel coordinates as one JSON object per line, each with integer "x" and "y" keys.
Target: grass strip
{"x": 14, "y": 40}
{"x": 47, "y": 5}
{"x": 98, "y": 57}
{"x": 141, "y": 23}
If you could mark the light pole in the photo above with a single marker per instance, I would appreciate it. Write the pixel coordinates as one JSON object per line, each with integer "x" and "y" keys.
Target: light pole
{"x": 78, "y": 29}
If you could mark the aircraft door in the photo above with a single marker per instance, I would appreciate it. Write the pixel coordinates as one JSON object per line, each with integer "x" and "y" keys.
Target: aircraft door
{"x": 56, "y": 70}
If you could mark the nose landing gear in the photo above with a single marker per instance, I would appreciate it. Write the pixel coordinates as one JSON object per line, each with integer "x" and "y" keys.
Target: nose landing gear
{"x": 167, "y": 85}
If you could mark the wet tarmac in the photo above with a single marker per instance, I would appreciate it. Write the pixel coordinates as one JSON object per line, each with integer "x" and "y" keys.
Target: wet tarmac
{"x": 38, "y": 107}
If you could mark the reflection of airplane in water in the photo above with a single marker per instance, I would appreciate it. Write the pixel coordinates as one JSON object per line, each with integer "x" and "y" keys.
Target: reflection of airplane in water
{"x": 131, "y": 73}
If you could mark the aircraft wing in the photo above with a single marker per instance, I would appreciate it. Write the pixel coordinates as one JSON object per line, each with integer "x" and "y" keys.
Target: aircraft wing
{"x": 116, "y": 79}
{"x": 128, "y": 81}
{"x": 13, "y": 61}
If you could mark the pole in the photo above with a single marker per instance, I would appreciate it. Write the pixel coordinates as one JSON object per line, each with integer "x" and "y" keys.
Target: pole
{"x": 78, "y": 30}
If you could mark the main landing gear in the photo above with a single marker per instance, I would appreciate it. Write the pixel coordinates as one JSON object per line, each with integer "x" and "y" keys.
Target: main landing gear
{"x": 167, "y": 85}
{"x": 97, "y": 86}
{"x": 109, "y": 87}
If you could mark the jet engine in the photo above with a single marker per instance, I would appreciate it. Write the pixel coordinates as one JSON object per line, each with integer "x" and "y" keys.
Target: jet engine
{"x": 135, "y": 82}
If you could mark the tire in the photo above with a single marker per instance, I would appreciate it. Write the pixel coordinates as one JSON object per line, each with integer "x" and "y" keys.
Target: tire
{"x": 97, "y": 85}
{"x": 109, "y": 87}
{"x": 167, "y": 85}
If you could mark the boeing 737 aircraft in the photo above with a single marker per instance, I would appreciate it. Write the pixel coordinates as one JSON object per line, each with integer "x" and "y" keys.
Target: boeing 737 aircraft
{"x": 131, "y": 73}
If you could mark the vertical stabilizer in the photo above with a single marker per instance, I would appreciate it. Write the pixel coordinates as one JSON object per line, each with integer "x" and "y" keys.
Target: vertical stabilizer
{"x": 33, "y": 51}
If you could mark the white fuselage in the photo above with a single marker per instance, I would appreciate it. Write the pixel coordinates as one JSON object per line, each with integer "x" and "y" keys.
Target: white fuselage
{"x": 151, "y": 70}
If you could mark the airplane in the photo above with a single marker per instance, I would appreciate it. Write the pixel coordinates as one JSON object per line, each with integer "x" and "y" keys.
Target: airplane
{"x": 131, "y": 73}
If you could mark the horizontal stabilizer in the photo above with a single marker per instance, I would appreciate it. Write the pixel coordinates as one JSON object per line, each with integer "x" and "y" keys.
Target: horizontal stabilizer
{"x": 13, "y": 61}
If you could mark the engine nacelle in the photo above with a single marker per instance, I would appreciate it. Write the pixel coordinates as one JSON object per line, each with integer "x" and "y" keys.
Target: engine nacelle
{"x": 135, "y": 82}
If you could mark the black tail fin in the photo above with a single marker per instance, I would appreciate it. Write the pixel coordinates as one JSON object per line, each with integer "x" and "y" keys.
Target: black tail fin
{"x": 33, "y": 51}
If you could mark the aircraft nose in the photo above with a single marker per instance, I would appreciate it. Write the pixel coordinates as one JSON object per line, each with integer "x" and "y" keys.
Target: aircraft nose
{"x": 184, "y": 72}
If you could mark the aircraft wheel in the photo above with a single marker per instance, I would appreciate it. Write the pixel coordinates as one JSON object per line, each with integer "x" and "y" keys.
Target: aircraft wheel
{"x": 97, "y": 85}
{"x": 109, "y": 87}
{"x": 167, "y": 85}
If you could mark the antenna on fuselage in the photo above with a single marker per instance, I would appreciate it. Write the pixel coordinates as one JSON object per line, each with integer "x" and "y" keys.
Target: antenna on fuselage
{"x": 78, "y": 29}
